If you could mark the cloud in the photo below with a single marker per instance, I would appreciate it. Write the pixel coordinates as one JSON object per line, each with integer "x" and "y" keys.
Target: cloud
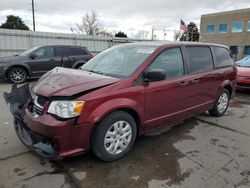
{"x": 116, "y": 15}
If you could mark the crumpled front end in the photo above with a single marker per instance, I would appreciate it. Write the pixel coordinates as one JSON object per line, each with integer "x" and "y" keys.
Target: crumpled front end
{"x": 20, "y": 99}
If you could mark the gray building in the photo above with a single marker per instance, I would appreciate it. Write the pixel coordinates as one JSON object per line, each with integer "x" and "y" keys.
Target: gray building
{"x": 231, "y": 28}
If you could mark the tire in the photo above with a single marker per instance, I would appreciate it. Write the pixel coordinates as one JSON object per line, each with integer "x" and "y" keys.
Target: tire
{"x": 17, "y": 75}
{"x": 109, "y": 142}
{"x": 221, "y": 104}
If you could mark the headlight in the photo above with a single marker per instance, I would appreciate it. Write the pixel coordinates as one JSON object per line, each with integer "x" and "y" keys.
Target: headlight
{"x": 66, "y": 109}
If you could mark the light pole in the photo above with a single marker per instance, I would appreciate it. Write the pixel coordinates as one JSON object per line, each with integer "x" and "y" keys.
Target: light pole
{"x": 33, "y": 14}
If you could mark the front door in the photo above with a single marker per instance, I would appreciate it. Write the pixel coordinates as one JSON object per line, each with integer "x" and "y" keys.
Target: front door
{"x": 166, "y": 100}
{"x": 43, "y": 60}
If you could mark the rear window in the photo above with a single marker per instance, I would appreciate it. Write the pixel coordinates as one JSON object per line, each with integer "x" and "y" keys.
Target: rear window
{"x": 200, "y": 59}
{"x": 222, "y": 57}
{"x": 78, "y": 51}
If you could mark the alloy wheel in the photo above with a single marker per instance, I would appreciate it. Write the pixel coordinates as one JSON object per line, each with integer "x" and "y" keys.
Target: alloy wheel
{"x": 223, "y": 102}
{"x": 118, "y": 137}
{"x": 17, "y": 76}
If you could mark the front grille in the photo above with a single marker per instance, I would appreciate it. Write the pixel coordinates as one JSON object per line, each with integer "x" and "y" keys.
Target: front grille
{"x": 39, "y": 102}
{"x": 244, "y": 84}
{"x": 37, "y": 110}
{"x": 244, "y": 77}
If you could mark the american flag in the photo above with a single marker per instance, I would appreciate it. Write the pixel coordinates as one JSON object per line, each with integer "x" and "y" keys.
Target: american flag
{"x": 183, "y": 26}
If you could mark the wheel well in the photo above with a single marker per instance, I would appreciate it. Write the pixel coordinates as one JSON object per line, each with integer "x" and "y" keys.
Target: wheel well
{"x": 229, "y": 88}
{"x": 19, "y": 67}
{"x": 77, "y": 64}
{"x": 133, "y": 113}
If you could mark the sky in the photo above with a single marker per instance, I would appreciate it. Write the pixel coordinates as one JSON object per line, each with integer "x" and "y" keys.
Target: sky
{"x": 129, "y": 16}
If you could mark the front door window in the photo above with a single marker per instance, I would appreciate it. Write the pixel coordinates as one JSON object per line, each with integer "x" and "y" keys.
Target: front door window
{"x": 45, "y": 52}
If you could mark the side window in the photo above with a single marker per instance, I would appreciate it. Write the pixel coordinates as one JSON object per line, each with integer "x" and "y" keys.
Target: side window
{"x": 78, "y": 51}
{"x": 199, "y": 59}
{"x": 45, "y": 52}
{"x": 223, "y": 57}
{"x": 170, "y": 61}
{"x": 62, "y": 51}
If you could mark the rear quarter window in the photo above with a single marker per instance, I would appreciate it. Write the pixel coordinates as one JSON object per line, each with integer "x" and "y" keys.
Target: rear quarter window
{"x": 79, "y": 51}
{"x": 62, "y": 51}
{"x": 199, "y": 59}
{"x": 223, "y": 57}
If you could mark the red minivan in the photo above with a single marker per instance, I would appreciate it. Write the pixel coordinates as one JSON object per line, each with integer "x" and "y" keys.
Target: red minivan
{"x": 123, "y": 92}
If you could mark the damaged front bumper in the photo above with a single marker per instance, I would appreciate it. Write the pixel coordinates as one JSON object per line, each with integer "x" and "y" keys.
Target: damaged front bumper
{"x": 43, "y": 146}
{"x": 42, "y": 133}
{"x": 21, "y": 98}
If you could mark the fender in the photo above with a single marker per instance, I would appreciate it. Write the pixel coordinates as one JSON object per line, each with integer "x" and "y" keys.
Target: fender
{"x": 224, "y": 84}
{"x": 115, "y": 104}
{"x": 78, "y": 63}
{"x": 26, "y": 67}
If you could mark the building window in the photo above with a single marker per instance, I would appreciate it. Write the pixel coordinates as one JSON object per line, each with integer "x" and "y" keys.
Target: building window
{"x": 223, "y": 28}
{"x": 247, "y": 50}
{"x": 248, "y": 26}
{"x": 210, "y": 29}
{"x": 237, "y": 27}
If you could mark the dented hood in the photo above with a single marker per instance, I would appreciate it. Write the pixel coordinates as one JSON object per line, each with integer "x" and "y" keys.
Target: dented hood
{"x": 68, "y": 82}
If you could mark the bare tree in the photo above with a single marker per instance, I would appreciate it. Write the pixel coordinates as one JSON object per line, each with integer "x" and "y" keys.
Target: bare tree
{"x": 142, "y": 34}
{"x": 90, "y": 25}
{"x": 177, "y": 35}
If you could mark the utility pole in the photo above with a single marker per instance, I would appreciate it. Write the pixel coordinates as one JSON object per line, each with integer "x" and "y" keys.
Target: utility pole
{"x": 33, "y": 14}
{"x": 152, "y": 37}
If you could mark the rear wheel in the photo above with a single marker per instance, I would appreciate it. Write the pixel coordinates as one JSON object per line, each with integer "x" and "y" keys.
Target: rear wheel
{"x": 221, "y": 104}
{"x": 114, "y": 136}
{"x": 17, "y": 75}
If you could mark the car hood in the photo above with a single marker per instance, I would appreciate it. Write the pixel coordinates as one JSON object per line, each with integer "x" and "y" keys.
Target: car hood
{"x": 68, "y": 82}
{"x": 11, "y": 59}
{"x": 243, "y": 71}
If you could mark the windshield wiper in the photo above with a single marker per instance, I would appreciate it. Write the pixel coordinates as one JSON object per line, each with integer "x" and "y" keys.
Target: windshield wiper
{"x": 97, "y": 72}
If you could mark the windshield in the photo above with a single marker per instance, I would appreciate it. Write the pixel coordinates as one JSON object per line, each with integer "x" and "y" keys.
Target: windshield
{"x": 26, "y": 52}
{"x": 244, "y": 63}
{"x": 119, "y": 61}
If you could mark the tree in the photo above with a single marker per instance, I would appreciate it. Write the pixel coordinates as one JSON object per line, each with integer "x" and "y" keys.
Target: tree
{"x": 121, "y": 35}
{"x": 177, "y": 35}
{"x": 192, "y": 34}
{"x": 142, "y": 34}
{"x": 90, "y": 25}
{"x": 14, "y": 22}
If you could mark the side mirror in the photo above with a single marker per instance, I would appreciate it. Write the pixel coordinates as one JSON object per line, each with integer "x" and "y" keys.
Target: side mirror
{"x": 33, "y": 56}
{"x": 154, "y": 75}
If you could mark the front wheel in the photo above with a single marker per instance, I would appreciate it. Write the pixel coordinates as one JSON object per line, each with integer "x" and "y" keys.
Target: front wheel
{"x": 221, "y": 104}
{"x": 17, "y": 75}
{"x": 114, "y": 136}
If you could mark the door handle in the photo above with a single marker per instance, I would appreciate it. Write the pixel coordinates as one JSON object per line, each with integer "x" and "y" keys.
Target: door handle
{"x": 183, "y": 83}
{"x": 196, "y": 80}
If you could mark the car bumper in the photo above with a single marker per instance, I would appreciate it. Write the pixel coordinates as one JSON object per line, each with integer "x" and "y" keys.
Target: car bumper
{"x": 1, "y": 76}
{"x": 52, "y": 138}
{"x": 2, "y": 71}
{"x": 45, "y": 135}
{"x": 243, "y": 84}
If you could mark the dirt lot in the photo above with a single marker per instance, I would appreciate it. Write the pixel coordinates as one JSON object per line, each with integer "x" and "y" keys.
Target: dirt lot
{"x": 201, "y": 152}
